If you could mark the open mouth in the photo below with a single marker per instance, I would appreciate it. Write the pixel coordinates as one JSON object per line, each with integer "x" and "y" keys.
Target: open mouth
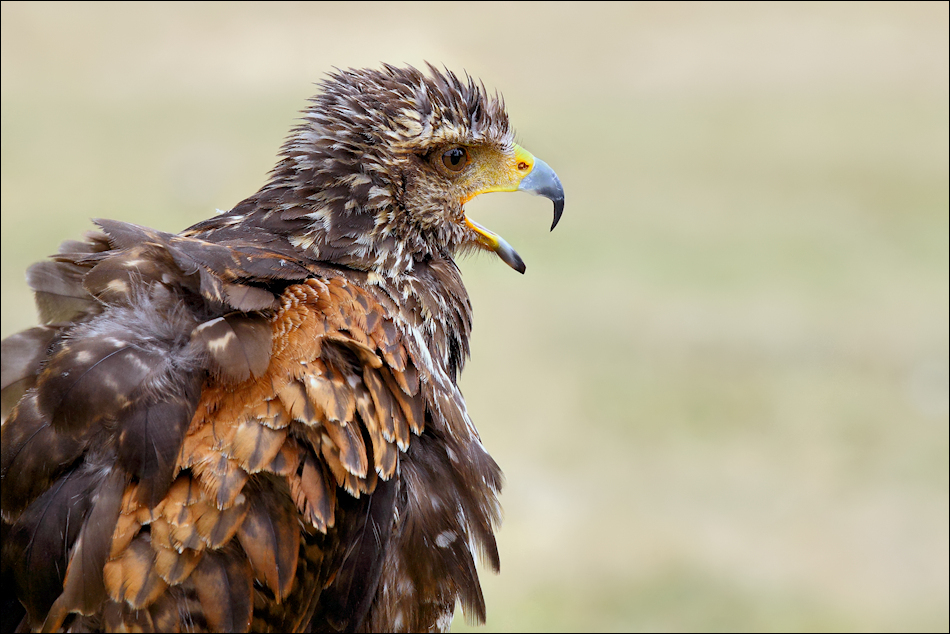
{"x": 536, "y": 178}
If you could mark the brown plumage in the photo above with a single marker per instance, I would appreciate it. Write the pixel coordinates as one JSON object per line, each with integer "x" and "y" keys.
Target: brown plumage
{"x": 255, "y": 424}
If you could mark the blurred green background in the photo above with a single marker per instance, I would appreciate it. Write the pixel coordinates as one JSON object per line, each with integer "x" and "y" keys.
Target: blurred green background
{"x": 720, "y": 392}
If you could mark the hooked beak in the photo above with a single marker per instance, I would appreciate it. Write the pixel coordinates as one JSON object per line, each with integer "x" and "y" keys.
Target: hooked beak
{"x": 542, "y": 181}
{"x": 526, "y": 174}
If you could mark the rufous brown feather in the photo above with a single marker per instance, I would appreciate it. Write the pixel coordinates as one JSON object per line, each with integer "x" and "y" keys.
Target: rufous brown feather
{"x": 255, "y": 424}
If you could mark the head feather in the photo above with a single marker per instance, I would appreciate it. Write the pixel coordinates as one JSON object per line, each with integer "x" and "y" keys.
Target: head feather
{"x": 352, "y": 184}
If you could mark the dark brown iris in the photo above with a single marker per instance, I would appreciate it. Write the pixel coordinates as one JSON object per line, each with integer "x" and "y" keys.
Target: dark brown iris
{"x": 455, "y": 159}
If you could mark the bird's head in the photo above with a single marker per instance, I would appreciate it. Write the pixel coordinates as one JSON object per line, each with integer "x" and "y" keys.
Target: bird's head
{"x": 383, "y": 162}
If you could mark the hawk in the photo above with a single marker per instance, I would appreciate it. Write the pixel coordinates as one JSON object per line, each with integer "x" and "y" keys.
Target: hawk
{"x": 255, "y": 424}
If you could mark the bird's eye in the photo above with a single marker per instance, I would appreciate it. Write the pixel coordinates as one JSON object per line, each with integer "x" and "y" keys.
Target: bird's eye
{"x": 455, "y": 159}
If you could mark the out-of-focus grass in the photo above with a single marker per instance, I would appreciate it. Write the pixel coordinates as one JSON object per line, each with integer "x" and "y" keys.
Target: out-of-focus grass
{"x": 720, "y": 392}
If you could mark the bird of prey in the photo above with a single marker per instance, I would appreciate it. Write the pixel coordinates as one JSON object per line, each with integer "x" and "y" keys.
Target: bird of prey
{"x": 255, "y": 424}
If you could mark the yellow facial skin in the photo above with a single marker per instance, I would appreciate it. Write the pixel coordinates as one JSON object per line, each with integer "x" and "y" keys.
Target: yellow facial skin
{"x": 495, "y": 171}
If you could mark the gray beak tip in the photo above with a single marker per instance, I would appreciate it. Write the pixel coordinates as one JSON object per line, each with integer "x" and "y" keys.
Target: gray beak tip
{"x": 558, "y": 210}
{"x": 542, "y": 181}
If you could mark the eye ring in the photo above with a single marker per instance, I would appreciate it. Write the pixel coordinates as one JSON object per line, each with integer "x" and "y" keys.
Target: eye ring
{"x": 455, "y": 159}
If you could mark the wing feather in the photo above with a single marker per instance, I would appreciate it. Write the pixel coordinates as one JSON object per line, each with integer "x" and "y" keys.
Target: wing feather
{"x": 238, "y": 346}
{"x": 270, "y": 537}
{"x": 23, "y": 355}
{"x": 212, "y": 444}
{"x": 225, "y": 590}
